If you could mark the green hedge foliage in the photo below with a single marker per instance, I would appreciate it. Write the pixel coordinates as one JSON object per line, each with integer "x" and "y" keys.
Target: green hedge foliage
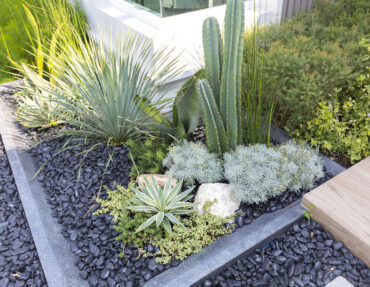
{"x": 312, "y": 56}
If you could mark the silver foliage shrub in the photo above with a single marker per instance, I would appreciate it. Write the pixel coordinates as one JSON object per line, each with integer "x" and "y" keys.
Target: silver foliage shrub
{"x": 254, "y": 172}
{"x": 304, "y": 166}
{"x": 258, "y": 172}
{"x": 193, "y": 162}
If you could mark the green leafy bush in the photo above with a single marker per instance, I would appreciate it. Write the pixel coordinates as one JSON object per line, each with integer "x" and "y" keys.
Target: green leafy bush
{"x": 258, "y": 172}
{"x": 193, "y": 162}
{"x": 147, "y": 156}
{"x": 200, "y": 231}
{"x": 341, "y": 128}
{"x": 312, "y": 55}
{"x": 164, "y": 203}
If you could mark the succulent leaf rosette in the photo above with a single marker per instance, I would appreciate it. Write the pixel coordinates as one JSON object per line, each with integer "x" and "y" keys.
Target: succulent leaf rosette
{"x": 164, "y": 203}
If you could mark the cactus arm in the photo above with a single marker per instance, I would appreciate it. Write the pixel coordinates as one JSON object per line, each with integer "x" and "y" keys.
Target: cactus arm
{"x": 212, "y": 45}
{"x": 228, "y": 94}
{"x": 217, "y": 140}
{"x": 239, "y": 80}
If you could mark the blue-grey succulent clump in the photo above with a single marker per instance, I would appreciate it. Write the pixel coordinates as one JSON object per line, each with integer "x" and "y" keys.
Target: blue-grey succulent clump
{"x": 258, "y": 172}
{"x": 304, "y": 166}
{"x": 193, "y": 162}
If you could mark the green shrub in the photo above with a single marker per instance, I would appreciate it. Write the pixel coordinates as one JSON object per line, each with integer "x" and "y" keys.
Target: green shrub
{"x": 341, "y": 128}
{"x": 201, "y": 230}
{"x": 147, "y": 156}
{"x": 258, "y": 172}
{"x": 193, "y": 162}
{"x": 310, "y": 64}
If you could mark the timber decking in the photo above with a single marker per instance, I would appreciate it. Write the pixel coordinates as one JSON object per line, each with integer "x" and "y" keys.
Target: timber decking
{"x": 342, "y": 206}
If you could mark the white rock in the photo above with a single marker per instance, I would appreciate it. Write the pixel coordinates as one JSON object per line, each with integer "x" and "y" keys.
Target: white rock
{"x": 226, "y": 202}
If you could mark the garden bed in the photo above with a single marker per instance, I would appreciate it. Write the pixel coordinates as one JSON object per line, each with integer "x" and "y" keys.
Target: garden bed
{"x": 19, "y": 261}
{"x": 92, "y": 238}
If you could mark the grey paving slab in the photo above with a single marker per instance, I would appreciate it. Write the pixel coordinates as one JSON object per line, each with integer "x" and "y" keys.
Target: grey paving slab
{"x": 339, "y": 282}
{"x": 53, "y": 249}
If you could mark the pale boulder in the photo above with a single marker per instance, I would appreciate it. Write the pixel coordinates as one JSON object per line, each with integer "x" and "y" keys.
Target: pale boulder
{"x": 225, "y": 202}
{"x": 161, "y": 179}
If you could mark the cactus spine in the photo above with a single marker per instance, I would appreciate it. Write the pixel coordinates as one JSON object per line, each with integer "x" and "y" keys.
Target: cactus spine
{"x": 222, "y": 88}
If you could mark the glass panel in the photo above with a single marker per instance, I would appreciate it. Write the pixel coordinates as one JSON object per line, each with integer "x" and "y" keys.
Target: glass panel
{"x": 173, "y": 7}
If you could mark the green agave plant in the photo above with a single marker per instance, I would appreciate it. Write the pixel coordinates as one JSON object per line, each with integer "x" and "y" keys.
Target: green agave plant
{"x": 163, "y": 203}
{"x": 220, "y": 93}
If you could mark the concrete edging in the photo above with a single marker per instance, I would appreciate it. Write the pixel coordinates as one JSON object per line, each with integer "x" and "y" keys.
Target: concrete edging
{"x": 53, "y": 249}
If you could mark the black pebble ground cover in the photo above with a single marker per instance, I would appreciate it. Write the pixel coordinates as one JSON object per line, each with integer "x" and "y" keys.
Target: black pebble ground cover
{"x": 19, "y": 262}
{"x": 306, "y": 255}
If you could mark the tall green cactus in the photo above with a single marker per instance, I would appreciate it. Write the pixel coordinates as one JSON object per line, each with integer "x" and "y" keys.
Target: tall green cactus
{"x": 222, "y": 89}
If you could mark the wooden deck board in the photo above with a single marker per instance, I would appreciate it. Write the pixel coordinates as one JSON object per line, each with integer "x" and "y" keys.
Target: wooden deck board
{"x": 342, "y": 206}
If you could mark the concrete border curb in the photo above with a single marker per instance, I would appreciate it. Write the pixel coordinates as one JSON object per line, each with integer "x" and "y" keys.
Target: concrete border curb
{"x": 53, "y": 249}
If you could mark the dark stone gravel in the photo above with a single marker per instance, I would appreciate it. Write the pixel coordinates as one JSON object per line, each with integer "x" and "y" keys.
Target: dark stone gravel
{"x": 306, "y": 255}
{"x": 19, "y": 262}
{"x": 92, "y": 238}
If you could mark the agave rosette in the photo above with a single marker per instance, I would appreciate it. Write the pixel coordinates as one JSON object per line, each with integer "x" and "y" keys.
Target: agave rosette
{"x": 163, "y": 203}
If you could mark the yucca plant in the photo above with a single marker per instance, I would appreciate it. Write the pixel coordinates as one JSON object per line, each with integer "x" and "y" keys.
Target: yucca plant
{"x": 110, "y": 88}
{"x": 164, "y": 203}
{"x": 220, "y": 93}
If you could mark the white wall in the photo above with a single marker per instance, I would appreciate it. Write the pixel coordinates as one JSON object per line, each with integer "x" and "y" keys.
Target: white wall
{"x": 181, "y": 32}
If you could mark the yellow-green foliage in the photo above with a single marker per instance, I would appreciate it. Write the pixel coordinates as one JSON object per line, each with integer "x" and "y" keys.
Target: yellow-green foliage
{"x": 117, "y": 201}
{"x": 126, "y": 221}
{"x": 200, "y": 231}
{"x": 342, "y": 127}
{"x": 13, "y": 32}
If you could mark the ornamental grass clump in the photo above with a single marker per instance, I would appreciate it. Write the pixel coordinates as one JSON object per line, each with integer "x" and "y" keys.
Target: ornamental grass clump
{"x": 192, "y": 162}
{"x": 164, "y": 203}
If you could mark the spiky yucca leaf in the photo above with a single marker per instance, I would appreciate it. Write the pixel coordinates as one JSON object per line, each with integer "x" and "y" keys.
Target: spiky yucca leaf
{"x": 163, "y": 203}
